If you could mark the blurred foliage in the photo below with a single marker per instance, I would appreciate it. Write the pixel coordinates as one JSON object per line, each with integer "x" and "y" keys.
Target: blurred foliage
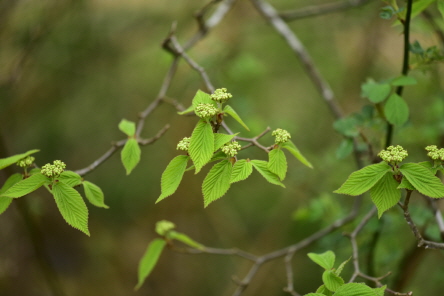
{"x": 70, "y": 70}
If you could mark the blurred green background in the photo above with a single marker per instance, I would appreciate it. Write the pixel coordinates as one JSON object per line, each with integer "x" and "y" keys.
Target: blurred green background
{"x": 71, "y": 70}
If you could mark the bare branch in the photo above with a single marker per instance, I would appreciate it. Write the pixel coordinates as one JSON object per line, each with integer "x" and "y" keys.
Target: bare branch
{"x": 253, "y": 141}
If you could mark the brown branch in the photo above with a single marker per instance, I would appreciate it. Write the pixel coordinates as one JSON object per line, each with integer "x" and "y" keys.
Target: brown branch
{"x": 253, "y": 141}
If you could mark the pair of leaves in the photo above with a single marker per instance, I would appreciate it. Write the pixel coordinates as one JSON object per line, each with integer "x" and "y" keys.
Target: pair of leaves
{"x": 130, "y": 154}
{"x": 277, "y": 162}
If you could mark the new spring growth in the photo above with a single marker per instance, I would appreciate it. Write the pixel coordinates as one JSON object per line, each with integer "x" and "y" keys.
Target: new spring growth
{"x": 164, "y": 226}
{"x": 231, "y": 148}
{"x": 205, "y": 110}
{"x": 26, "y": 162}
{"x": 281, "y": 135}
{"x": 53, "y": 170}
{"x": 435, "y": 153}
{"x": 220, "y": 95}
{"x": 393, "y": 154}
{"x": 184, "y": 144}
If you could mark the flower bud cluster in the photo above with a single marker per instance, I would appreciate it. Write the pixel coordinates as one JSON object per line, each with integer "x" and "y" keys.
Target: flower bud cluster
{"x": 184, "y": 144}
{"x": 26, "y": 162}
{"x": 162, "y": 227}
{"x": 220, "y": 95}
{"x": 281, "y": 135}
{"x": 231, "y": 148}
{"x": 435, "y": 153}
{"x": 393, "y": 154}
{"x": 205, "y": 110}
{"x": 53, "y": 170}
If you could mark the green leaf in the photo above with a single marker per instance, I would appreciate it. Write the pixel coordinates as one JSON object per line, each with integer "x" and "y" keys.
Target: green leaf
{"x": 71, "y": 206}
{"x": 277, "y": 163}
{"x": 347, "y": 126}
{"x": 345, "y": 148}
{"x": 149, "y": 260}
{"x": 201, "y": 144}
{"x": 217, "y": 182}
{"x": 420, "y": 6}
{"x": 364, "y": 179}
{"x": 314, "y": 294}
{"x": 172, "y": 176}
{"x": 403, "y": 80}
{"x": 26, "y": 186}
{"x": 185, "y": 239}
{"x": 331, "y": 280}
{"x": 262, "y": 167}
{"x": 127, "y": 127}
{"x": 341, "y": 267}
{"x": 70, "y": 178}
{"x": 355, "y": 289}
{"x": 441, "y": 7}
{"x": 221, "y": 139}
{"x": 423, "y": 180}
{"x": 94, "y": 194}
{"x": 380, "y": 291}
{"x": 385, "y": 194}
{"x": 405, "y": 184}
{"x": 242, "y": 169}
{"x": 4, "y": 200}
{"x": 130, "y": 155}
{"x": 4, "y": 162}
{"x": 202, "y": 98}
{"x": 396, "y": 110}
{"x": 216, "y": 156}
{"x": 375, "y": 92}
{"x": 429, "y": 165}
{"x": 188, "y": 110}
{"x": 324, "y": 291}
{"x": 326, "y": 260}
{"x": 230, "y": 111}
{"x": 290, "y": 146}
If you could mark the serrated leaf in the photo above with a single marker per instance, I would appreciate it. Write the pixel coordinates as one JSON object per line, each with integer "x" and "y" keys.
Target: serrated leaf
{"x": 94, "y": 194}
{"x": 380, "y": 291}
{"x": 4, "y": 200}
{"x": 290, "y": 146}
{"x": 324, "y": 291}
{"x": 149, "y": 260}
{"x": 341, "y": 267}
{"x": 185, "y": 239}
{"x": 130, "y": 155}
{"x": 423, "y": 180}
{"x": 230, "y": 111}
{"x": 172, "y": 176}
{"x": 375, "y": 92}
{"x": 277, "y": 163}
{"x": 405, "y": 184}
{"x": 262, "y": 167}
{"x": 217, "y": 181}
{"x": 429, "y": 165}
{"x": 331, "y": 280}
{"x": 385, "y": 194}
{"x": 187, "y": 110}
{"x": 202, "y": 98}
{"x": 242, "y": 169}
{"x": 201, "y": 144}
{"x": 4, "y": 162}
{"x": 221, "y": 139}
{"x": 364, "y": 179}
{"x": 127, "y": 127}
{"x": 396, "y": 110}
{"x": 314, "y": 294}
{"x": 26, "y": 186}
{"x": 71, "y": 206}
{"x": 403, "y": 80}
{"x": 70, "y": 178}
{"x": 326, "y": 260}
{"x": 345, "y": 148}
{"x": 355, "y": 289}
{"x": 216, "y": 156}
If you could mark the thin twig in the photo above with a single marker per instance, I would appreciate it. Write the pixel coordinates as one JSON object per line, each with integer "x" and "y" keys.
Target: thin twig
{"x": 253, "y": 141}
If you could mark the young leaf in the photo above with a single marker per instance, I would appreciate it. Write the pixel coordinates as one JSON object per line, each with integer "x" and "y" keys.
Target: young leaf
{"x": 345, "y": 148}
{"x": 188, "y": 110}
{"x": 6, "y": 201}
{"x": 405, "y": 184}
{"x": 355, "y": 289}
{"x": 71, "y": 206}
{"x": 70, "y": 178}
{"x": 403, "y": 80}
{"x": 130, "y": 155}
{"x": 217, "y": 182}
{"x": 202, "y": 144}
{"x": 149, "y": 260}
{"x": 26, "y": 186}
{"x": 385, "y": 194}
{"x": 364, "y": 179}
{"x": 277, "y": 163}
{"x": 230, "y": 111}
{"x": 290, "y": 146}
{"x": 185, "y": 239}
{"x": 396, "y": 110}
{"x": 221, "y": 139}
{"x": 127, "y": 127}
{"x": 94, "y": 194}
{"x": 242, "y": 169}
{"x": 326, "y": 260}
{"x": 347, "y": 126}
{"x": 341, "y": 267}
{"x": 219, "y": 155}
{"x": 4, "y": 162}
{"x": 314, "y": 294}
{"x": 262, "y": 167}
{"x": 331, "y": 280}
{"x": 380, "y": 291}
{"x": 202, "y": 98}
{"x": 423, "y": 179}
{"x": 375, "y": 92}
{"x": 324, "y": 291}
{"x": 172, "y": 176}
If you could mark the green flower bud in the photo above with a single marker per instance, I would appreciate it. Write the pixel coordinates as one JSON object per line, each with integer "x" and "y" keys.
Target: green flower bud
{"x": 220, "y": 95}
{"x": 205, "y": 110}
{"x": 393, "y": 154}
{"x": 162, "y": 227}
{"x": 435, "y": 153}
{"x": 184, "y": 144}
{"x": 231, "y": 148}
{"x": 53, "y": 170}
{"x": 26, "y": 162}
{"x": 281, "y": 135}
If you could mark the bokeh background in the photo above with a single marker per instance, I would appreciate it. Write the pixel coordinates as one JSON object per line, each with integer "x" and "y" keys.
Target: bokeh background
{"x": 71, "y": 70}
